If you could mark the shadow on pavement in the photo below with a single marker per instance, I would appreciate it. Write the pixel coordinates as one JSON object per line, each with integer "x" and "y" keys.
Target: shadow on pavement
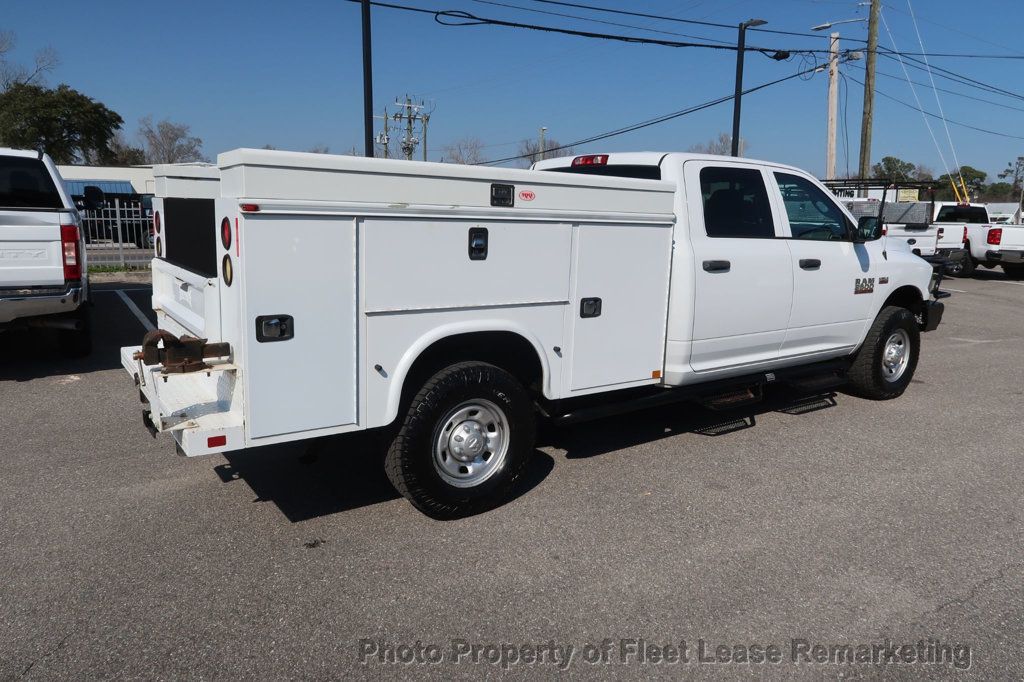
{"x": 332, "y": 475}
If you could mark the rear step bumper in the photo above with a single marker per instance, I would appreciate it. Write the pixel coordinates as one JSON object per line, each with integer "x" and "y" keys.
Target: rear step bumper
{"x": 202, "y": 410}
{"x": 20, "y": 307}
{"x": 1012, "y": 257}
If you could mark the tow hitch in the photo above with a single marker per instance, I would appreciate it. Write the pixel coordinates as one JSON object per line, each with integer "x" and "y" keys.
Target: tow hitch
{"x": 179, "y": 355}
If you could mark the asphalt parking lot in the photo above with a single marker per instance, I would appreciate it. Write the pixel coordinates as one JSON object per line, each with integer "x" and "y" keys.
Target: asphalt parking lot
{"x": 827, "y": 520}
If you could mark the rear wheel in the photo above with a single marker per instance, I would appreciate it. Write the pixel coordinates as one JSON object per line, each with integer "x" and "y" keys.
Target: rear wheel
{"x": 965, "y": 267}
{"x": 464, "y": 441}
{"x": 886, "y": 361}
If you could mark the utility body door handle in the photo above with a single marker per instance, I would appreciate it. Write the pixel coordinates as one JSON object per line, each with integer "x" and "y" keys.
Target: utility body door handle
{"x": 717, "y": 266}
{"x": 810, "y": 263}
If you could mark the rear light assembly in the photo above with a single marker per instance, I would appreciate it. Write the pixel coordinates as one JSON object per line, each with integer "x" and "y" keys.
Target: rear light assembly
{"x": 156, "y": 222}
{"x": 995, "y": 236}
{"x": 70, "y": 254}
{"x": 964, "y": 240}
{"x": 942, "y": 231}
{"x": 591, "y": 160}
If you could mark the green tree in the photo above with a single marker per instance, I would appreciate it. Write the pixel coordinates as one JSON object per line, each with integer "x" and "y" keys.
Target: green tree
{"x": 973, "y": 178}
{"x": 893, "y": 168}
{"x": 998, "y": 191}
{"x": 62, "y": 122}
{"x": 1014, "y": 173}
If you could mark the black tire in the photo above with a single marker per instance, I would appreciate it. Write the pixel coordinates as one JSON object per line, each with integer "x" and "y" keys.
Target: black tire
{"x": 965, "y": 268}
{"x": 419, "y": 473}
{"x": 77, "y": 343}
{"x": 1014, "y": 271}
{"x": 867, "y": 375}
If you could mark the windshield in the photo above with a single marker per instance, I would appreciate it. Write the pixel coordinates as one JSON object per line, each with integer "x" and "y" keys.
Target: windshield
{"x": 962, "y": 214}
{"x": 26, "y": 183}
{"x": 621, "y": 171}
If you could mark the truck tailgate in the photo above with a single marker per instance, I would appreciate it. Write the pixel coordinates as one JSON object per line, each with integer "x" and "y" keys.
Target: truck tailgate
{"x": 917, "y": 238}
{"x": 1013, "y": 237}
{"x": 30, "y": 249}
{"x": 185, "y": 302}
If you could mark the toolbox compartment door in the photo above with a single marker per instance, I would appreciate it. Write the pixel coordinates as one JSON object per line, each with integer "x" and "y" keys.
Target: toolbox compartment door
{"x": 302, "y": 268}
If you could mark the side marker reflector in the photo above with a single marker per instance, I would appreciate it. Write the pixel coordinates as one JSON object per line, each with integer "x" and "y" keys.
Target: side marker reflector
{"x": 216, "y": 441}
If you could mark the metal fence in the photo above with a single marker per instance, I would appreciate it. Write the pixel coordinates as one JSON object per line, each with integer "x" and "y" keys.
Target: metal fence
{"x": 118, "y": 235}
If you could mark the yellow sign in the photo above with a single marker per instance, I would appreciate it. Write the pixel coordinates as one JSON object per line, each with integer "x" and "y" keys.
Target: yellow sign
{"x": 907, "y": 195}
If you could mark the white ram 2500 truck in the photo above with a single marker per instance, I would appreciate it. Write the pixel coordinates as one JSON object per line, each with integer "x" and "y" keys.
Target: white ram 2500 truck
{"x": 43, "y": 276}
{"x": 988, "y": 244}
{"x": 450, "y": 306}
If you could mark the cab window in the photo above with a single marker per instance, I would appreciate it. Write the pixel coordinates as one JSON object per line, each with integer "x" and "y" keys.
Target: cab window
{"x": 812, "y": 215}
{"x": 736, "y": 203}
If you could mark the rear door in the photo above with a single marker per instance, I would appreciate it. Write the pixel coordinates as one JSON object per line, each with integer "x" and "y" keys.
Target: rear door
{"x": 31, "y": 212}
{"x": 743, "y": 282}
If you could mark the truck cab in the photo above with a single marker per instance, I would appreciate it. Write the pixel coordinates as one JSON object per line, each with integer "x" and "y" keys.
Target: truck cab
{"x": 43, "y": 275}
{"x": 990, "y": 245}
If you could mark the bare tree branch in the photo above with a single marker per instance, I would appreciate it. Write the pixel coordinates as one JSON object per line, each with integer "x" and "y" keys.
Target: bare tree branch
{"x": 466, "y": 150}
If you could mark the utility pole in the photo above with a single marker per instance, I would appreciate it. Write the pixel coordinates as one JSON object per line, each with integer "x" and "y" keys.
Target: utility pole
{"x": 384, "y": 137}
{"x": 869, "y": 90}
{"x": 741, "y": 44}
{"x": 408, "y": 144}
{"x": 833, "y": 105}
{"x": 424, "y": 120}
{"x": 367, "y": 82}
{"x": 540, "y": 148}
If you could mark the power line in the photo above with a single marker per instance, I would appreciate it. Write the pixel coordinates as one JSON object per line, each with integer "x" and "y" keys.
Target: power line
{"x": 659, "y": 119}
{"x": 928, "y": 113}
{"x": 599, "y": 21}
{"x": 949, "y": 92}
{"x": 953, "y": 75}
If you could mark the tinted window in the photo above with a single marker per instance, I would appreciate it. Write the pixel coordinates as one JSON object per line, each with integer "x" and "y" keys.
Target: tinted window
{"x": 190, "y": 228}
{"x": 812, "y": 215}
{"x": 622, "y": 171}
{"x": 735, "y": 203}
{"x": 25, "y": 183}
{"x": 963, "y": 214}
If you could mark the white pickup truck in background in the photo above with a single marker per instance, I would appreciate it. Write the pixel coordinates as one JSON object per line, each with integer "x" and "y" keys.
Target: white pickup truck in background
{"x": 43, "y": 277}
{"x": 304, "y": 295}
{"x": 989, "y": 244}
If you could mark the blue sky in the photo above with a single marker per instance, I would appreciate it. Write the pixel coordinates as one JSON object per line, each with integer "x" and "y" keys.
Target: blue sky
{"x": 249, "y": 73}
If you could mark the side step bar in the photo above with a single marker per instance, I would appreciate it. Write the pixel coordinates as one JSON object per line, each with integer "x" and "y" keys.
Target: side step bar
{"x": 717, "y": 395}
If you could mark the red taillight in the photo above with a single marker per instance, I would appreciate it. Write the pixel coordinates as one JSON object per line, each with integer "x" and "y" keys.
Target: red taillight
{"x": 591, "y": 160}
{"x": 156, "y": 222}
{"x": 216, "y": 441}
{"x": 249, "y": 208}
{"x": 225, "y": 233}
{"x": 995, "y": 236}
{"x": 69, "y": 249}
{"x": 965, "y": 235}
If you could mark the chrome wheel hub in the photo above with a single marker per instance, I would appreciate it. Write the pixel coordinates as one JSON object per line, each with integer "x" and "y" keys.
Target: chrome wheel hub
{"x": 470, "y": 443}
{"x": 895, "y": 355}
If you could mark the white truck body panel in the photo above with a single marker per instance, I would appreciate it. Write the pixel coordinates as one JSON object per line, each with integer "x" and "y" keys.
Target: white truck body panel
{"x": 369, "y": 259}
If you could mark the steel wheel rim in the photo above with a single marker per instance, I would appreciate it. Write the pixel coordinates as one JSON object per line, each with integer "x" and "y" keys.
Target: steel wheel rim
{"x": 896, "y": 355}
{"x": 470, "y": 443}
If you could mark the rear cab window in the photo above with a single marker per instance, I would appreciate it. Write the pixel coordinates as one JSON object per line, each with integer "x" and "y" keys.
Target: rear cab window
{"x": 25, "y": 182}
{"x": 638, "y": 172}
{"x": 973, "y": 215}
{"x": 735, "y": 203}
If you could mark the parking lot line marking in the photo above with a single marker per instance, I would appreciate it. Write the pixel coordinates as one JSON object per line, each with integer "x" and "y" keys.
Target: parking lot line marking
{"x": 110, "y": 291}
{"x": 958, "y": 291}
{"x": 135, "y": 310}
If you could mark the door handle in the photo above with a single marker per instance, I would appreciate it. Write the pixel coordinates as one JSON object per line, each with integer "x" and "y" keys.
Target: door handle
{"x": 717, "y": 266}
{"x": 810, "y": 263}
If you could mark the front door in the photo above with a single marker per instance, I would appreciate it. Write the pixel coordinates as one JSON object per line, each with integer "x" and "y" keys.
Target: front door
{"x": 743, "y": 280}
{"x": 834, "y": 279}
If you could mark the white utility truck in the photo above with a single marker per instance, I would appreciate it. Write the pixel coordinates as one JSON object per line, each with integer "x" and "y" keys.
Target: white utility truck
{"x": 989, "y": 244}
{"x": 451, "y": 306}
{"x": 44, "y": 281}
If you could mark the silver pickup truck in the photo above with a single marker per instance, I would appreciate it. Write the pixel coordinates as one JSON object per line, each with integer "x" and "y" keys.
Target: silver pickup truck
{"x": 43, "y": 274}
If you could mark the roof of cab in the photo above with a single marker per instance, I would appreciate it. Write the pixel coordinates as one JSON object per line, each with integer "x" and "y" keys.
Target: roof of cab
{"x": 28, "y": 153}
{"x": 654, "y": 159}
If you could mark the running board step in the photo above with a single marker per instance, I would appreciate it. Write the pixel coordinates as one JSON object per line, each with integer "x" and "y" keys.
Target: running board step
{"x": 819, "y": 382}
{"x": 726, "y": 401}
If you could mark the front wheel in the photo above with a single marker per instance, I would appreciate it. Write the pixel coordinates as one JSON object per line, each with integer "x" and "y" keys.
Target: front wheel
{"x": 464, "y": 441}
{"x": 885, "y": 363}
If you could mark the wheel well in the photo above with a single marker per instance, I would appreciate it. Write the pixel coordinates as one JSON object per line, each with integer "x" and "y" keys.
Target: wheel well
{"x": 906, "y": 297}
{"x": 507, "y": 350}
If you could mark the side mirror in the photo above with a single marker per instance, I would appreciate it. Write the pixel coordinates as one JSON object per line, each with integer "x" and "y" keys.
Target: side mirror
{"x": 94, "y": 198}
{"x": 869, "y": 228}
